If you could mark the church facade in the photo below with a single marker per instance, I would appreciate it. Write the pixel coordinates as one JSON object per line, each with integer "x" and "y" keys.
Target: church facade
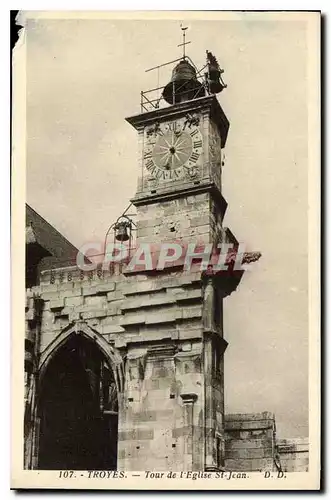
{"x": 124, "y": 366}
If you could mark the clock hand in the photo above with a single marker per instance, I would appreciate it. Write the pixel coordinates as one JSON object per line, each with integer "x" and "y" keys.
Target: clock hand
{"x": 173, "y": 139}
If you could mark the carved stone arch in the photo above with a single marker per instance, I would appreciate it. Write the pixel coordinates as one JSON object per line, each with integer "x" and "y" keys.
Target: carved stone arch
{"x": 78, "y": 402}
{"x": 112, "y": 355}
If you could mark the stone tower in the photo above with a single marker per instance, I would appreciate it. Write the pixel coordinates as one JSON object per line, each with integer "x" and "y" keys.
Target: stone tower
{"x": 136, "y": 356}
{"x": 179, "y": 198}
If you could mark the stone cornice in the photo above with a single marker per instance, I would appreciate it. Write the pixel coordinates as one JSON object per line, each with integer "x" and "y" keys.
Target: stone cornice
{"x": 181, "y": 191}
{"x": 207, "y": 103}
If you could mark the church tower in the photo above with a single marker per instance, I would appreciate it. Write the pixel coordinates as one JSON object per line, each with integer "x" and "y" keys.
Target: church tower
{"x": 124, "y": 366}
{"x": 179, "y": 193}
{"x": 179, "y": 198}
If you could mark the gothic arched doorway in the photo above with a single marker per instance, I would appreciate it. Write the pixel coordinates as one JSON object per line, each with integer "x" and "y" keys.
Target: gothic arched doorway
{"x": 78, "y": 409}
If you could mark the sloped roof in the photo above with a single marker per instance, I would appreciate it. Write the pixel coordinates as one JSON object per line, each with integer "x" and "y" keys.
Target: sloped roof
{"x": 39, "y": 231}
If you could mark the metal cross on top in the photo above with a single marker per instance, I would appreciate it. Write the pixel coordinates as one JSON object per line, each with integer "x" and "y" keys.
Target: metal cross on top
{"x": 184, "y": 43}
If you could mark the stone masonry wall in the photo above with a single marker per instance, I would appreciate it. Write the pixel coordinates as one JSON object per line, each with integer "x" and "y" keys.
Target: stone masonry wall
{"x": 179, "y": 219}
{"x": 250, "y": 442}
{"x": 155, "y": 323}
{"x": 155, "y": 432}
{"x": 293, "y": 454}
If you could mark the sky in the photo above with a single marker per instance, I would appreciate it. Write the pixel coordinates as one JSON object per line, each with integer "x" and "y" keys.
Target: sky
{"x": 84, "y": 77}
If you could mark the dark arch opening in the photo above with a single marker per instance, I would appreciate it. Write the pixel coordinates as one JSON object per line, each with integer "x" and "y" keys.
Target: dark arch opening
{"x": 78, "y": 410}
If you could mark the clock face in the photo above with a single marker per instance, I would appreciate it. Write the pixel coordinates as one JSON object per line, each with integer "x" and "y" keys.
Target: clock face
{"x": 173, "y": 150}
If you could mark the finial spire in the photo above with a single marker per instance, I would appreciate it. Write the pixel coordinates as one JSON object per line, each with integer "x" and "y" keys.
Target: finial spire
{"x": 184, "y": 43}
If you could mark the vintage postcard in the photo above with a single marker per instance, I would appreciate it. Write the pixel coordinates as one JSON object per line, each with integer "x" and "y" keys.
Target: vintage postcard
{"x": 166, "y": 308}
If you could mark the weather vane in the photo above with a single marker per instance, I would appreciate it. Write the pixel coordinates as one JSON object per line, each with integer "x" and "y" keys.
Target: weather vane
{"x": 184, "y": 43}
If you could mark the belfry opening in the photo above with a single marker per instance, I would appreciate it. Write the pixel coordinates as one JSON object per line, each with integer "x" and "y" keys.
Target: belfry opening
{"x": 78, "y": 409}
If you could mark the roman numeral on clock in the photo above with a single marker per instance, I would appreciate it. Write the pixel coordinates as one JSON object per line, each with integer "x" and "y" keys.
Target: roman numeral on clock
{"x": 147, "y": 154}
{"x": 194, "y": 132}
{"x": 166, "y": 175}
{"x": 194, "y": 157}
{"x": 178, "y": 172}
{"x": 149, "y": 164}
{"x": 197, "y": 144}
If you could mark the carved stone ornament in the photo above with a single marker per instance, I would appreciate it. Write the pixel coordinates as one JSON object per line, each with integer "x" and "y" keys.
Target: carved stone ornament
{"x": 153, "y": 130}
{"x": 137, "y": 364}
{"x": 192, "y": 119}
{"x": 193, "y": 172}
